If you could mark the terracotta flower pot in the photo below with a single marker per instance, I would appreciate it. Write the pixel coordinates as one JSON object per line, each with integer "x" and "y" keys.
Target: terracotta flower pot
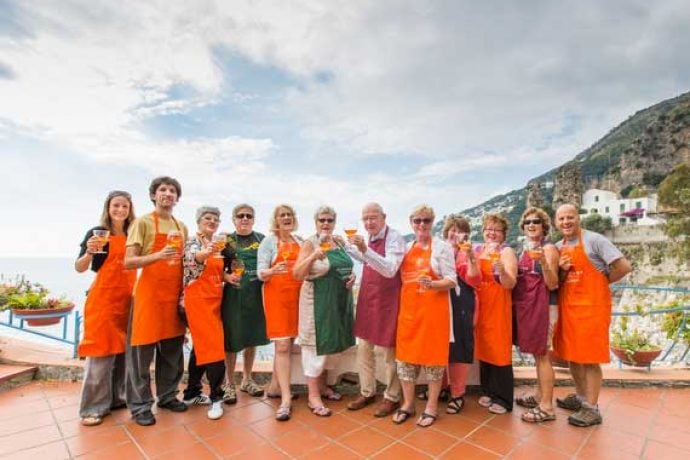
{"x": 638, "y": 358}
{"x": 37, "y": 317}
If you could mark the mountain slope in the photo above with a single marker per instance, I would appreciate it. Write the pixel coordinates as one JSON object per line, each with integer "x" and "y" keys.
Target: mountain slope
{"x": 639, "y": 152}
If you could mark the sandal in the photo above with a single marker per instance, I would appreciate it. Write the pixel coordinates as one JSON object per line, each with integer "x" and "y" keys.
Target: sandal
{"x": 401, "y": 416}
{"x": 484, "y": 401}
{"x": 537, "y": 415}
{"x": 497, "y": 409}
{"x": 251, "y": 388}
{"x": 585, "y": 417}
{"x": 229, "y": 394}
{"x": 283, "y": 414}
{"x": 570, "y": 402}
{"x": 528, "y": 401}
{"x": 91, "y": 420}
{"x": 423, "y": 420}
{"x": 455, "y": 405}
{"x": 320, "y": 411}
{"x": 331, "y": 395}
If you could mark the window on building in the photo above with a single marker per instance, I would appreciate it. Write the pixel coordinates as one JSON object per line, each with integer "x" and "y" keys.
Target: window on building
{"x": 622, "y": 207}
{"x": 638, "y": 204}
{"x": 621, "y": 221}
{"x": 593, "y": 211}
{"x": 607, "y": 210}
{"x": 596, "y": 198}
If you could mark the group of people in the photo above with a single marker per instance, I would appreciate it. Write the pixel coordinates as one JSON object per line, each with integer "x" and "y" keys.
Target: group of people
{"x": 437, "y": 304}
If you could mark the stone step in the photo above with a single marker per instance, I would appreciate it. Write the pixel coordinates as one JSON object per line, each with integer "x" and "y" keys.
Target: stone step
{"x": 14, "y": 375}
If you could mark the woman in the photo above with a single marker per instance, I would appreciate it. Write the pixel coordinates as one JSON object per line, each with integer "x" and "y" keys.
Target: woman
{"x": 202, "y": 294}
{"x": 276, "y": 258}
{"x": 326, "y": 313}
{"x": 456, "y": 231}
{"x": 536, "y": 310}
{"x": 244, "y": 323}
{"x": 493, "y": 332}
{"x": 106, "y": 311}
{"x": 423, "y": 333}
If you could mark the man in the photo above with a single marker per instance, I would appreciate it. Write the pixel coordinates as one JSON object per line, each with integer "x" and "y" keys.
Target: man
{"x": 377, "y": 307}
{"x": 588, "y": 263}
{"x": 154, "y": 244}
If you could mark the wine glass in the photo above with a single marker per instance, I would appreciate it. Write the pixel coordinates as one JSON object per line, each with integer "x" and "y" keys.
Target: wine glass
{"x": 325, "y": 242}
{"x": 285, "y": 251}
{"x": 463, "y": 241}
{"x": 534, "y": 251}
{"x": 218, "y": 241}
{"x": 174, "y": 240}
{"x": 423, "y": 269}
{"x": 102, "y": 237}
{"x": 350, "y": 228}
{"x": 237, "y": 267}
{"x": 493, "y": 252}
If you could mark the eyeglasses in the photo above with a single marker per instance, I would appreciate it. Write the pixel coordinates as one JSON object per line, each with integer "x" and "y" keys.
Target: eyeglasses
{"x": 531, "y": 221}
{"x": 494, "y": 230}
{"x": 244, "y": 216}
{"x": 425, "y": 220}
{"x": 325, "y": 220}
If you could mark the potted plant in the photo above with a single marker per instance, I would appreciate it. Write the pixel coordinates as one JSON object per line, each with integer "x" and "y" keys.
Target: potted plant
{"x": 633, "y": 347}
{"x": 30, "y": 302}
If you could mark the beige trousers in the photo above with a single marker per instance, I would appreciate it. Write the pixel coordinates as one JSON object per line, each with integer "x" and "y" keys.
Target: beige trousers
{"x": 366, "y": 362}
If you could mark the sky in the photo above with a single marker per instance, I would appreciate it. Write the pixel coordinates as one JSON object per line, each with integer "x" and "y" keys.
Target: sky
{"x": 310, "y": 102}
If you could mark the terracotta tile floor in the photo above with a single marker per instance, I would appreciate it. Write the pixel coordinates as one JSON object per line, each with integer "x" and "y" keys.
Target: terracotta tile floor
{"x": 40, "y": 420}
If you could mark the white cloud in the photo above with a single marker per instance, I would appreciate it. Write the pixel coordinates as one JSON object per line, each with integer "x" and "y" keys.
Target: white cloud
{"x": 459, "y": 87}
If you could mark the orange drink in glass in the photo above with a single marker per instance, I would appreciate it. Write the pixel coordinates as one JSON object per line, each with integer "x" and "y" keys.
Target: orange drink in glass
{"x": 102, "y": 238}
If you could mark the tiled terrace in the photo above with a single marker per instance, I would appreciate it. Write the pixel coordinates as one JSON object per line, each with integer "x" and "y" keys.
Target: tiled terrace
{"x": 39, "y": 420}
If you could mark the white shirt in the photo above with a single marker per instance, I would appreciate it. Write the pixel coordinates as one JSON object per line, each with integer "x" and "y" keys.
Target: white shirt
{"x": 387, "y": 265}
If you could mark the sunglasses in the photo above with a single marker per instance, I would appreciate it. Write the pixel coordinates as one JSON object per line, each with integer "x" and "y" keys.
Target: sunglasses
{"x": 244, "y": 216}
{"x": 531, "y": 221}
{"x": 326, "y": 220}
{"x": 419, "y": 220}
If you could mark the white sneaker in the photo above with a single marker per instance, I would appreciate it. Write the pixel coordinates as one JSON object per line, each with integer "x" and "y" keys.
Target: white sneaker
{"x": 201, "y": 400}
{"x": 216, "y": 410}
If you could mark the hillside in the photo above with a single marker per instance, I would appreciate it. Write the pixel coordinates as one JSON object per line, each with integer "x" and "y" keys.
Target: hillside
{"x": 639, "y": 152}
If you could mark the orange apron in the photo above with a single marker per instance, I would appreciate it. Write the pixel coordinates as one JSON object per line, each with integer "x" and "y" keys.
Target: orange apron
{"x": 106, "y": 311}
{"x": 493, "y": 334}
{"x": 424, "y": 318}
{"x": 156, "y": 295}
{"x": 202, "y": 299}
{"x": 281, "y": 300}
{"x": 584, "y": 300}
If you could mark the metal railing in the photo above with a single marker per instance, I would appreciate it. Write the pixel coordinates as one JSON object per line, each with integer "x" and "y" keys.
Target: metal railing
{"x": 670, "y": 343}
{"x": 22, "y": 325}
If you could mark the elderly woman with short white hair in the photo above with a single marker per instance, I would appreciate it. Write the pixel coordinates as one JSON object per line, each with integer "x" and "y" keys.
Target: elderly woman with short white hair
{"x": 200, "y": 302}
{"x": 326, "y": 311}
{"x": 424, "y": 330}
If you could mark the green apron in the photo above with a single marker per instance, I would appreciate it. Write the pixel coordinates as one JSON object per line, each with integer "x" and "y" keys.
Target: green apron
{"x": 333, "y": 308}
{"x": 244, "y": 324}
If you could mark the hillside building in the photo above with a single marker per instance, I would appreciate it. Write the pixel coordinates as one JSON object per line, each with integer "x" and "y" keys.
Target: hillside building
{"x": 622, "y": 211}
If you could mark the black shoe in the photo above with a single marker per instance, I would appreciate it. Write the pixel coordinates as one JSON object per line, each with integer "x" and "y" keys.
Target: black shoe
{"x": 174, "y": 405}
{"x": 145, "y": 418}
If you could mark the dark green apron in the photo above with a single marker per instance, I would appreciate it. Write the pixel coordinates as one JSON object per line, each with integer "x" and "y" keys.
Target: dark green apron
{"x": 244, "y": 324}
{"x": 333, "y": 308}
